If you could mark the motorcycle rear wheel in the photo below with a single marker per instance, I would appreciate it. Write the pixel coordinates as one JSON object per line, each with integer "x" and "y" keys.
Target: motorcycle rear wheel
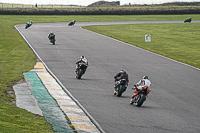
{"x": 80, "y": 73}
{"x": 141, "y": 100}
{"x": 120, "y": 90}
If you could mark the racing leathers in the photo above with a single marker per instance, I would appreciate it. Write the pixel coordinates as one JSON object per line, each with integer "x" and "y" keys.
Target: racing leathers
{"x": 29, "y": 23}
{"x": 51, "y": 36}
{"x": 74, "y": 21}
{"x": 140, "y": 85}
{"x": 82, "y": 60}
{"x": 120, "y": 75}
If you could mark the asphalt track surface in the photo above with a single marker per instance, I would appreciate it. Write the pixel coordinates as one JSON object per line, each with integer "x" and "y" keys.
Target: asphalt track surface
{"x": 172, "y": 106}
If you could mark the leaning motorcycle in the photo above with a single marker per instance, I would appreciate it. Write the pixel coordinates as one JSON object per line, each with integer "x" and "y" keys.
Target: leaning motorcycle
{"x": 81, "y": 70}
{"x": 27, "y": 26}
{"x": 188, "y": 20}
{"x": 72, "y": 23}
{"x": 121, "y": 86}
{"x": 140, "y": 97}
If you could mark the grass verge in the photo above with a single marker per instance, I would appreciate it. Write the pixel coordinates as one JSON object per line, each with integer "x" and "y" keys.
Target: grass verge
{"x": 177, "y": 41}
{"x": 16, "y": 57}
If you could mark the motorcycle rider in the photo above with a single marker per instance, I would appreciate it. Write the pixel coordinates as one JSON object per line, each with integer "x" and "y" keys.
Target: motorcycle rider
{"x": 119, "y": 76}
{"x": 188, "y": 20}
{"x": 74, "y": 21}
{"x": 84, "y": 60}
{"x": 144, "y": 82}
{"x": 51, "y": 35}
{"x": 30, "y": 22}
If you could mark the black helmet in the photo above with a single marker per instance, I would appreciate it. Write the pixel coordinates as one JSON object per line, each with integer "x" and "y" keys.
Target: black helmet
{"x": 145, "y": 77}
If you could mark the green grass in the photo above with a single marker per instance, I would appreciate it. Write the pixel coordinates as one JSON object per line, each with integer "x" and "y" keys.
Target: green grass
{"x": 16, "y": 57}
{"x": 177, "y": 41}
{"x": 16, "y": 120}
{"x": 84, "y": 18}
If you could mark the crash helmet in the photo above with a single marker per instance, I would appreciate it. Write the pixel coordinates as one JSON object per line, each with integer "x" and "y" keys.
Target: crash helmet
{"x": 82, "y": 57}
{"x": 51, "y": 32}
{"x": 122, "y": 71}
{"x": 145, "y": 77}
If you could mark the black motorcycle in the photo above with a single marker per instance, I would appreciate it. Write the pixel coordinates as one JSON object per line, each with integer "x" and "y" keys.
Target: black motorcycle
{"x": 121, "y": 86}
{"x": 72, "y": 23}
{"x": 80, "y": 70}
{"x": 140, "y": 97}
{"x": 27, "y": 25}
{"x": 188, "y": 20}
{"x": 52, "y": 40}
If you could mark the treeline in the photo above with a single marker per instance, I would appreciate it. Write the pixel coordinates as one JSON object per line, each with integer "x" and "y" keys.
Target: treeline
{"x": 163, "y": 10}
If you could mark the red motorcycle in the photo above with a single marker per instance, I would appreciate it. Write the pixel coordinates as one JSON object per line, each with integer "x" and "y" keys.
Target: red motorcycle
{"x": 140, "y": 97}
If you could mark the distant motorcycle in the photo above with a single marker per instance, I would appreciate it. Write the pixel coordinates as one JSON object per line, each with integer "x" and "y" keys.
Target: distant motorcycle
{"x": 188, "y": 20}
{"x": 139, "y": 99}
{"x": 28, "y": 25}
{"x": 121, "y": 86}
{"x": 72, "y": 23}
{"x": 52, "y": 40}
{"x": 81, "y": 70}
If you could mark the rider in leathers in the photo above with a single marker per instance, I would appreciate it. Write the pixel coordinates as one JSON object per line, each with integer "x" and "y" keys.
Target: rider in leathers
{"x": 119, "y": 76}
{"x": 74, "y": 21}
{"x": 144, "y": 82}
{"x": 30, "y": 22}
{"x": 84, "y": 60}
{"x": 51, "y": 35}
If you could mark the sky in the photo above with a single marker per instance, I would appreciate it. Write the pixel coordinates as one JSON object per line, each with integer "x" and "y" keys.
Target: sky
{"x": 87, "y": 2}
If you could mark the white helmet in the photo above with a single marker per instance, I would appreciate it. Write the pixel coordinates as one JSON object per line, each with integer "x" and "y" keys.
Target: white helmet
{"x": 145, "y": 77}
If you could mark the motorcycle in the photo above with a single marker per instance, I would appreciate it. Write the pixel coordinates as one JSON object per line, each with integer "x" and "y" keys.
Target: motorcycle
{"x": 72, "y": 23}
{"x": 140, "y": 97}
{"x": 188, "y": 20}
{"x": 81, "y": 70}
{"x": 28, "y": 25}
{"x": 52, "y": 40}
{"x": 121, "y": 86}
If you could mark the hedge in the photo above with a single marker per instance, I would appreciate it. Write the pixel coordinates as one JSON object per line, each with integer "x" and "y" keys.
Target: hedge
{"x": 100, "y": 11}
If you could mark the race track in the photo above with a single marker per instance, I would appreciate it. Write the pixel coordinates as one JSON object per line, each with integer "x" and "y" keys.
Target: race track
{"x": 172, "y": 106}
